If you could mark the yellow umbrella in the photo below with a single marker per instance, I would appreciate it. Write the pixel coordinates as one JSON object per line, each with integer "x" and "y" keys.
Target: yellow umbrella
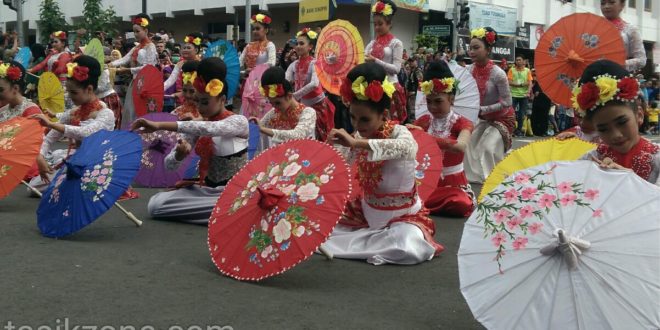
{"x": 534, "y": 154}
{"x": 51, "y": 93}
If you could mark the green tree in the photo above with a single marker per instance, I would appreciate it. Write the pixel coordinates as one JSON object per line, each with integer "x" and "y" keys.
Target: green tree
{"x": 51, "y": 19}
{"x": 95, "y": 18}
{"x": 426, "y": 41}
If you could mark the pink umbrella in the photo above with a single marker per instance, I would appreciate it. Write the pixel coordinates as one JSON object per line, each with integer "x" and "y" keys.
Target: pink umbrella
{"x": 254, "y": 104}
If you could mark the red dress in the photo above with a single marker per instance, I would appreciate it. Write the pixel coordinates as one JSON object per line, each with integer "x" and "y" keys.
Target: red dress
{"x": 453, "y": 196}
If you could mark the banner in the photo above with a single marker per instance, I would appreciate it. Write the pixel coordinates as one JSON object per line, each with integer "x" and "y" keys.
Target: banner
{"x": 315, "y": 10}
{"x": 415, "y": 5}
{"x": 504, "y": 48}
{"x": 502, "y": 19}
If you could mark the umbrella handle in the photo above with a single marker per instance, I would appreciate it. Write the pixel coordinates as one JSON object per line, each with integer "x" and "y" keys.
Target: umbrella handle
{"x": 129, "y": 215}
{"x": 34, "y": 190}
{"x": 326, "y": 253}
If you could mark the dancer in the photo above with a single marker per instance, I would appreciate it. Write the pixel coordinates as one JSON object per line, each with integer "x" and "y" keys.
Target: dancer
{"x": 491, "y": 137}
{"x": 288, "y": 120}
{"x": 56, "y": 62}
{"x": 387, "y": 51}
{"x": 143, "y": 54}
{"x": 453, "y": 196}
{"x": 88, "y": 117}
{"x": 388, "y": 223}
{"x": 606, "y": 97}
{"x": 188, "y": 110}
{"x": 308, "y": 90}
{"x": 632, "y": 39}
{"x": 260, "y": 50}
{"x": 12, "y": 86}
{"x": 220, "y": 140}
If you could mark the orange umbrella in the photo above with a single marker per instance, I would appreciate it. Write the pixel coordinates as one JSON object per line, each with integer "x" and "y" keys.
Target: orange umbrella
{"x": 20, "y": 141}
{"x": 338, "y": 50}
{"x": 568, "y": 46}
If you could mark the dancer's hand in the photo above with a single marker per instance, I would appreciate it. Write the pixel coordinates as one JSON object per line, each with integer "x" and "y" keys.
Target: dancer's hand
{"x": 142, "y": 125}
{"x": 341, "y": 137}
{"x": 415, "y": 127}
{"x": 182, "y": 149}
{"x": 44, "y": 169}
{"x": 43, "y": 120}
{"x": 565, "y": 135}
{"x": 608, "y": 163}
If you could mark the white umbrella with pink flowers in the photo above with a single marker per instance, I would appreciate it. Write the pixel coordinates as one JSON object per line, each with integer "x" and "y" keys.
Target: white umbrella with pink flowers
{"x": 564, "y": 245}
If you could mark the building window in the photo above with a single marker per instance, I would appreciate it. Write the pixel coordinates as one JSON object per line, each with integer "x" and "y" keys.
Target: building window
{"x": 647, "y": 5}
{"x": 632, "y": 3}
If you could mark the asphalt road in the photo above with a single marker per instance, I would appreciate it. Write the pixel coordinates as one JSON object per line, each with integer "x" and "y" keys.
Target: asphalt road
{"x": 161, "y": 275}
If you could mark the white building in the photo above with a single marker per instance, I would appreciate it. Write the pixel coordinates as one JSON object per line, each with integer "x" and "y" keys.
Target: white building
{"x": 213, "y": 16}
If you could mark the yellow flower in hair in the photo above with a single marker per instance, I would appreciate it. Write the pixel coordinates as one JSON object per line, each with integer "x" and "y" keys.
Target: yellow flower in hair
{"x": 214, "y": 87}
{"x": 144, "y": 23}
{"x": 449, "y": 82}
{"x": 57, "y": 34}
{"x": 608, "y": 88}
{"x": 478, "y": 33}
{"x": 189, "y": 77}
{"x": 312, "y": 34}
{"x": 359, "y": 87}
{"x": 576, "y": 91}
{"x": 3, "y": 69}
{"x": 197, "y": 41}
{"x": 388, "y": 88}
{"x": 427, "y": 87}
{"x": 260, "y": 17}
{"x": 69, "y": 69}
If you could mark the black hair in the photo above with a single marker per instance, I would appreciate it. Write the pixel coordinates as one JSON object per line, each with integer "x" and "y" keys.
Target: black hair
{"x": 488, "y": 29}
{"x": 438, "y": 70}
{"x": 20, "y": 82}
{"x": 38, "y": 51}
{"x": 388, "y": 18}
{"x": 267, "y": 13}
{"x": 371, "y": 72}
{"x": 94, "y": 71}
{"x": 521, "y": 56}
{"x": 213, "y": 68}
{"x": 602, "y": 67}
{"x": 195, "y": 35}
{"x": 145, "y": 16}
{"x": 189, "y": 66}
{"x": 276, "y": 75}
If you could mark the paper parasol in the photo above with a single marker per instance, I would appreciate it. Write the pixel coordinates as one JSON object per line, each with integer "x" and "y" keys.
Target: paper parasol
{"x": 338, "y": 49}
{"x": 227, "y": 53}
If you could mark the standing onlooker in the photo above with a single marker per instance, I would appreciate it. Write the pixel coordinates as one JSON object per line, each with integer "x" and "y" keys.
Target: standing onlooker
{"x": 415, "y": 76}
{"x": 520, "y": 79}
{"x": 169, "y": 101}
{"x": 653, "y": 113}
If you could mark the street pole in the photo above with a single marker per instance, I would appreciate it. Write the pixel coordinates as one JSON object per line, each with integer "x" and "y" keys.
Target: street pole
{"x": 144, "y": 6}
{"x": 248, "y": 16}
{"x": 454, "y": 35}
{"x": 19, "y": 22}
{"x": 371, "y": 21}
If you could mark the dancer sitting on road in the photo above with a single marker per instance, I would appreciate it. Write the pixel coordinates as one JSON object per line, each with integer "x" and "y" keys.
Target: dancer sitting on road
{"x": 606, "y": 97}
{"x": 288, "y": 120}
{"x": 220, "y": 140}
{"x": 88, "y": 117}
{"x": 453, "y": 196}
{"x": 188, "y": 110}
{"x": 12, "y": 86}
{"x": 308, "y": 90}
{"x": 388, "y": 223}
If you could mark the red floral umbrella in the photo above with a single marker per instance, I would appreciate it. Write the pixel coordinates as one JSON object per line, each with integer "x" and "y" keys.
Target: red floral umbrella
{"x": 429, "y": 166}
{"x": 278, "y": 209}
{"x": 148, "y": 91}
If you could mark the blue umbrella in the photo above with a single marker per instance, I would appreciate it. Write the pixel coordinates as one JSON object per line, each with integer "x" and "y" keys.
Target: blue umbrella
{"x": 253, "y": 140}
{"x": 90, "y": 182}
{"x": 193, "y": 169}
{"x": 23, "y": 56}
{"x": 226, "y": 52}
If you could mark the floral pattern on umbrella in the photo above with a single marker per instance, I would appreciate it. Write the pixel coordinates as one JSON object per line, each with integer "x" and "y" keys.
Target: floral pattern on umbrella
{"x": 516, "y": 208}
{"x": 7, "y": 135}
{"x": 98, "y": 180}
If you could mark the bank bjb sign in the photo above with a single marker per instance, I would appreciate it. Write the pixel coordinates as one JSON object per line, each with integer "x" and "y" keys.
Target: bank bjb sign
{"x": 315, "y": 10}
{"x": 504, "y": 48}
